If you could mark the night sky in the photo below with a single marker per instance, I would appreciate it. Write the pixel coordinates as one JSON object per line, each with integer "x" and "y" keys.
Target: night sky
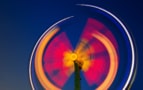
{"x": 22, "y": 22}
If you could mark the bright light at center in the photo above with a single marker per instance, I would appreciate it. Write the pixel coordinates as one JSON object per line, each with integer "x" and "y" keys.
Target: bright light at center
{"x": 73, "y": 56}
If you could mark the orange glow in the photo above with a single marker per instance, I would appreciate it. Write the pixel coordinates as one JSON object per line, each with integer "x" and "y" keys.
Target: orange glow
{"x": 113, "y": 61}
{"x": 38, "y": 61}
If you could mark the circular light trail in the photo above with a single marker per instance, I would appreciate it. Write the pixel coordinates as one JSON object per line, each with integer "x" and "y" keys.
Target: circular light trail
{"x": 93, "y": 44}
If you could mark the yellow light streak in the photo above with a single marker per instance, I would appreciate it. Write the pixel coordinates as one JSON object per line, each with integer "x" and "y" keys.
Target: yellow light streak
{"x": 38, "y": 61}
{"x": 113, "y": 61}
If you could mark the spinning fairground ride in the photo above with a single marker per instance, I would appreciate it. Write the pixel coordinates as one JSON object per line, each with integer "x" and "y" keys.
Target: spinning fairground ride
{"x": 93, "y": 51}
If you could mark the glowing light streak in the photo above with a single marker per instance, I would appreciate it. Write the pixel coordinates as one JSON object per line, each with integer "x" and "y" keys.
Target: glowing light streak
{"x": 30, "y": 64}
{"x": 113, "y": 61}
{"x": 129, "y": 37}
{"x": 38, "y": 61}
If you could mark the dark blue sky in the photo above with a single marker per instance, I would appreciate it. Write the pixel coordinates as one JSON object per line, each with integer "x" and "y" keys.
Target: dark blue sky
{"x": 23, "y": 21}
